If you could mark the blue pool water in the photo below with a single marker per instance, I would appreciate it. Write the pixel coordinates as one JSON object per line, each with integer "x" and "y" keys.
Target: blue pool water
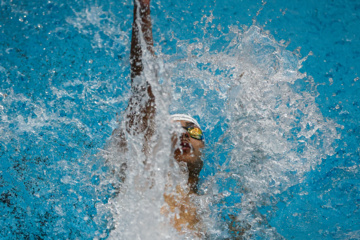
{"x": 282, "y": 156}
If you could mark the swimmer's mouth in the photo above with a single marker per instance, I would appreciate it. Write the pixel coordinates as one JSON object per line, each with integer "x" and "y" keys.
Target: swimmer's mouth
{"x": 185, "y": 146}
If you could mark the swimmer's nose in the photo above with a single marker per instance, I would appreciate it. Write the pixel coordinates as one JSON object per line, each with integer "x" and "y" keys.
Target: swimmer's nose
{"x": 185, "y": 135}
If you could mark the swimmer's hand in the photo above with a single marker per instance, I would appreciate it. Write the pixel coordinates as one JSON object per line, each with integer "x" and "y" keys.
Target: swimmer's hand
{"x": 144, "y": 2}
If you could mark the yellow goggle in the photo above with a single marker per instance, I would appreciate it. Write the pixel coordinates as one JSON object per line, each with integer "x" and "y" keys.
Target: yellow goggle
{"x": 195, "y": 132}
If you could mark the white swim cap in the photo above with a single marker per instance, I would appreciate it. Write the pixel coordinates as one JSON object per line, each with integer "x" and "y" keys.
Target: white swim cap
{"x": 185, "y": 117}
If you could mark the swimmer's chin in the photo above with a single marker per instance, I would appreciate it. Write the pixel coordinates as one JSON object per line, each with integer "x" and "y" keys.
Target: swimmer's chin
{"x": 185, "y": 155}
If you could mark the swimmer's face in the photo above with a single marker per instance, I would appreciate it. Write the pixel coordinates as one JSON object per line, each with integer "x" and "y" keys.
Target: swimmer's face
{"x": 186, "y": 148}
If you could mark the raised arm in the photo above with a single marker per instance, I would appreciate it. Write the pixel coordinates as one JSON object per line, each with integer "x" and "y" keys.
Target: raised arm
{"x": 141, "y": 36}
{"x": 141, "y": 109}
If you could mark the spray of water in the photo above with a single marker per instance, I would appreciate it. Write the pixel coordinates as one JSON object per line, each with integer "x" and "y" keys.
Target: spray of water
{"x": 272, "y": 131}
{"x": 251, "y": 94}
{"x": 263, "y": 129}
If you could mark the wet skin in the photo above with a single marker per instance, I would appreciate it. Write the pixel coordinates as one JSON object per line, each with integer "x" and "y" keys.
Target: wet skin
{"x": 188, "y": 150}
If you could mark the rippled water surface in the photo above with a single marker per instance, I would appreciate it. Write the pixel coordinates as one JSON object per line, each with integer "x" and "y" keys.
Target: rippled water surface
{"x": 274, "y": 85}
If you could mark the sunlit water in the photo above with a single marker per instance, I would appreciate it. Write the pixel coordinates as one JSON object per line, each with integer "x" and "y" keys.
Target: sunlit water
{"x": 282, "y": 138}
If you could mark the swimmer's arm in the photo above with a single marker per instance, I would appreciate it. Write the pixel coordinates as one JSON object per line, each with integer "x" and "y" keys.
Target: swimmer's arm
{"x": 141, "y": 108}
{"x": 142, "y": 19}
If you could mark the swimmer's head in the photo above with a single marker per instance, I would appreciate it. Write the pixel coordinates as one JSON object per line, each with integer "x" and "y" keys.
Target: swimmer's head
{"x": 184, "y": 117}
{"x": 188, "y": 140}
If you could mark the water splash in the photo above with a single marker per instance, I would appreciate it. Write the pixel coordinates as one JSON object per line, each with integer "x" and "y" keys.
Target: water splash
{"x": 270, "y": 133}
{"x": 270, "y": 130}
{"x": 263, "y": 128}
{"x": 106, "y": 31}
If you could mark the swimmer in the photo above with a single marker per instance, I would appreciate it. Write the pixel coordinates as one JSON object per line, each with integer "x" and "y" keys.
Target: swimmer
{"x": 139, "y": 120}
